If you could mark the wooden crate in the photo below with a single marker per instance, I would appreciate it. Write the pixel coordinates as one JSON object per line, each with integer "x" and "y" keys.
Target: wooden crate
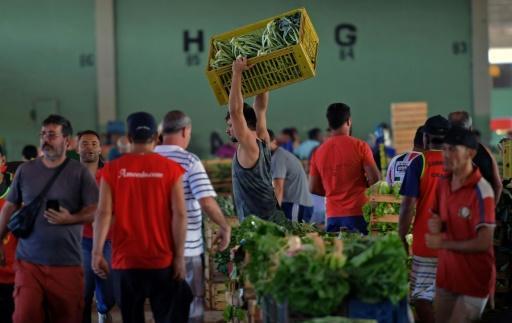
{"x": 212, "y": 275}
{"x": 216, "y": 296}
{"x": 273, "y": 70}
{"x": 254, "y": 314}
{"x": 406, "y": 117}
{"x": 389, "y": 218}
{"x": 222, "y": 167}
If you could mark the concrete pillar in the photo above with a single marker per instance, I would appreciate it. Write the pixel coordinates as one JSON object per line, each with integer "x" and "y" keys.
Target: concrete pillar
{"x": 105, "y": 61}
{"x": 482, "y": 83}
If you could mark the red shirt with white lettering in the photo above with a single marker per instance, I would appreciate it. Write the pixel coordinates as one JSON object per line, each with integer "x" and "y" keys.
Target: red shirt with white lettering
{"x": 339, "y": 162}
{"x": 141, "y": 186}
{"x": 465, "y": 211}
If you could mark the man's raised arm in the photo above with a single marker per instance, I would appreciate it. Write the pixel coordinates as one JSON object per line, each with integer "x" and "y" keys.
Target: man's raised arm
{"x": 236, "y": 106}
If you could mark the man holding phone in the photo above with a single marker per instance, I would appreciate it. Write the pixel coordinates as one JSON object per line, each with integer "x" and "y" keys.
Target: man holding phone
{"x": 48, "y": 265}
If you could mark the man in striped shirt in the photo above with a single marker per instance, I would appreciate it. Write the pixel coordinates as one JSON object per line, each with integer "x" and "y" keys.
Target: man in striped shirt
{"x": 399, "y": 163}
{"x": 199, "y": 195}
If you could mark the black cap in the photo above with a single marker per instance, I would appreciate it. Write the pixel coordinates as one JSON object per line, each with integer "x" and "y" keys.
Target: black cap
{"x": 418, "y": 136}
{"x": 458, "y": 136}
{"x": 141, "y": 125}
{"x": 437, "y": 125}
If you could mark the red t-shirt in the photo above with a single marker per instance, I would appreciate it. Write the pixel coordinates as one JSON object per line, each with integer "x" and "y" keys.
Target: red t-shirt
{"x": 141, "y": 186}
{"x": 88, "y": 231}
{"x": 10, "y": 243}
{"x": 465, "y": 211}
{"x": 339, "y": 163}
{"x": 420, "y": 181}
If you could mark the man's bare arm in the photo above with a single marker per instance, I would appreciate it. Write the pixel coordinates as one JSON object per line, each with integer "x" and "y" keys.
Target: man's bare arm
{"x": 405, "y": 219}
{"x": 243, "y": 134}
{"x": 261, "y": 107}
{"x": 5, "y": 215}
{"x": 103, "y": 218}
{"x": 481, "y": 243}
{"x": 213, "y": 211}
{"x": 279, "y": 189}
{"x": 101, "y": 227}
{"x": 372, "y": 173}
{"x": 85, "y": 215}
{"x": 315, "y": 185}
{"x": 179, "y": 228}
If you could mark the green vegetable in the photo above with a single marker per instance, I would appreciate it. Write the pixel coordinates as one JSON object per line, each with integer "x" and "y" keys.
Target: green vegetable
{"x": 291, "y": 227}
{"x": 223, "y": 258}
{"x": 226, "y": 205}
{"x": 384, "y": 227}
{"x": 377, "y": 268}
{"x": 219, "y": 171}
{"x": 312, "y": 284}
{"x": 262, "y": 240}
{"x": 367, "y": 212}
{"x": 233, "y": 312}
{"x": 396, "y": 189}
{"x": 338, "y": 319}
{"x": 278, "y": 33}
{"x": 383, "y": 187}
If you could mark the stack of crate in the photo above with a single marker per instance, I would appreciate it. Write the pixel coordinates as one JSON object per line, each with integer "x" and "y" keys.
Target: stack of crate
{"x": 390, "y": 218}
{"x": 219, "y": 172}
{"x": 406, "y": 117}
{"x": 217, "y": 294}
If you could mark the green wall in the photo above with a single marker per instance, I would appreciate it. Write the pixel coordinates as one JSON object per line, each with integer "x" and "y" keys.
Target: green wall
{"x": 41, "y": 43}
{"x": 403, "y": 53}
{"x": 501, "y": 103}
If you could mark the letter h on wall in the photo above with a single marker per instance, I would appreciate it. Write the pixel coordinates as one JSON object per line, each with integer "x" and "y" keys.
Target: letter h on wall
{"x": 193, "y": 59}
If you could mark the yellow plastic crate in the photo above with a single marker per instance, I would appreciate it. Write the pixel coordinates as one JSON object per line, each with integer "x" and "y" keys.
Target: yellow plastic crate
{"x": 274, "y": 70}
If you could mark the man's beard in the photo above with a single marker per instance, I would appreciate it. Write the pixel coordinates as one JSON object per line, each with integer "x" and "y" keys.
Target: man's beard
{"x": 234, "y": 140}
{"x": 90, "y": 161}
{"x": 89, "y": 158}
{"x": 53, "y": 153}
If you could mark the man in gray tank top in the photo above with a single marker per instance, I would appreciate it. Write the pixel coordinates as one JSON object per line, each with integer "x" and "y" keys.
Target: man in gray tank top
{"x": 252, "y": 180}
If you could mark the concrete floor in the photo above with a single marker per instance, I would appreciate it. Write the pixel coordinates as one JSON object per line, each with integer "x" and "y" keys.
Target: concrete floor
{"x": 210, "y": 316}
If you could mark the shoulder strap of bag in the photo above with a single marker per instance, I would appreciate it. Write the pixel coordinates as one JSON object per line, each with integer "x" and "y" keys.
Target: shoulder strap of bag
{"x": 52, "y": 180}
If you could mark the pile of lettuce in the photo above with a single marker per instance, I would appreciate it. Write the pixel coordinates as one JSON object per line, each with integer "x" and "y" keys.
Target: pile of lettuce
{"x": 377, "y": 268}
{"x": 313, "y": 274}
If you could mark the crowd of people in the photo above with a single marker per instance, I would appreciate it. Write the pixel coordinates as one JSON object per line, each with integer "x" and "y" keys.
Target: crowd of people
{"x": 130, "y": 229}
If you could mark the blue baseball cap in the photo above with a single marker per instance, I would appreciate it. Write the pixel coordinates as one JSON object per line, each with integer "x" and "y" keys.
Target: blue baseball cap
{"x": 141, "y": 126}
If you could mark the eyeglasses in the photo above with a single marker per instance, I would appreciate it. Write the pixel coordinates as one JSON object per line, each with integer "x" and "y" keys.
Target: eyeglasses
{"x": 50, "y": 135}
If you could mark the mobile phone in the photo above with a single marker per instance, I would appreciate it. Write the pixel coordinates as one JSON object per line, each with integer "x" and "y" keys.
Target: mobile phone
{"x": 52, "y": 204}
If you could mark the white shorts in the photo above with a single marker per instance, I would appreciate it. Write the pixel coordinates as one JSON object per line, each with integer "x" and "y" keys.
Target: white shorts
{"x": 457, "y": 307}
{"x": 195, "y": 279}
{"x": 423, "y": 278}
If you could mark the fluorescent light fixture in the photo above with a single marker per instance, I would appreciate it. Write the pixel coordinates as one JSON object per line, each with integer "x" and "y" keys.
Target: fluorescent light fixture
{"x": 501, "y": 55}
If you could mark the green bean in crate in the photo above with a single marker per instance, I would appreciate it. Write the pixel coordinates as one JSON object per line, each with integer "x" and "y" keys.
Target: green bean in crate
{"x": 282, "y": 50}
{"x": 279, "y": 33}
